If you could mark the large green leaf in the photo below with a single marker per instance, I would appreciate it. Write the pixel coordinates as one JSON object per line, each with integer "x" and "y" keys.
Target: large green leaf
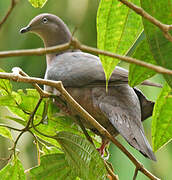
{"x": 82, "y": 156}
{"x": 38, "y": 3}
{"x": 140, "y": 50}
{"x": 162, "y": 119}
{"x": 52, "y": 167}
{"x": 117, "y": 29}
{"x": 160, "y": 47}
{"x": 13, "y": 171}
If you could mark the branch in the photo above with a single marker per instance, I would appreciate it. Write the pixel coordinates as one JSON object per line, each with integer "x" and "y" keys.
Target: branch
{"x": 128, "y": 59}
{"x": 135, "y": 173}
{"x": 37, "y": 52}
{"x": 13, "y": 3}
{"x": 84, "y": 114}
{"x": 75, "y": 44}
{"x": 164, "y": 27}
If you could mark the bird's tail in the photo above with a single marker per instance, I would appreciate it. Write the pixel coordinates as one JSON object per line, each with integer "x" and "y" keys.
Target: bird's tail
{"x": 143, "y": 146}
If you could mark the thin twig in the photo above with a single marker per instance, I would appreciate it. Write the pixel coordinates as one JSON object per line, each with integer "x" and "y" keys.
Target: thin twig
{"x": 82, "y": 112}
{"x": 113, "y": 176}
{"x": 13, "y": 3}
{"x": 164, "y": 27}
{"x": 37, "y": 147}
{"x": 7, "y": 158}
{"x": 16, "y": 141}
{"x": 135, "y": 173}
{"x": 78, "y": 120}
{"x": 32, "y": 116}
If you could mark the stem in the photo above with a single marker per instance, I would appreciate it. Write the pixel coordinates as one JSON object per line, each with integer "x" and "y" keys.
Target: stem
{"x": 13, "y": 3}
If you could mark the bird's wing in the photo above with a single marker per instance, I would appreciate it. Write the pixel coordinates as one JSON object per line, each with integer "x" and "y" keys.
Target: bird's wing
{"x": 121, "y": 106}
{"x": 78, "y": 69}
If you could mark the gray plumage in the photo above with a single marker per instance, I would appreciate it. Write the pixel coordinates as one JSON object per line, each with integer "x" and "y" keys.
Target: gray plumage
{"x": 120, "y": 110}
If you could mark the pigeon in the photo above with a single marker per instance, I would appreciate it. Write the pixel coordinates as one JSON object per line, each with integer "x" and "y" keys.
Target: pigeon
{"x": 120, "y": 110}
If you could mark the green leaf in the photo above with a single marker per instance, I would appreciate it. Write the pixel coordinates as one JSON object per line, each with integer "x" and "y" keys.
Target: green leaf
{"x": 5, "y": 86}
{"x": 38, "y": 3}
{"x": 5, "y": 132}
{"x": 117, "y": 29}
{"x": 160, "y": 47}
{"x": 137, "y": 74}
{"x": 82, "y": 156}
{"x": 13, "y": 171}
{"x": 52, "y": 167}
{"x": 162, "y": 119}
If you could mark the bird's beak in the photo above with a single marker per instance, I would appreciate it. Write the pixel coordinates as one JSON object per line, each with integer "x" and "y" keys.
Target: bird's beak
{"x": 25, "y": 29}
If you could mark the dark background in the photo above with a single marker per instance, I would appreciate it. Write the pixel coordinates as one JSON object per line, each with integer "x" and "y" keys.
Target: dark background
{"x": 80, "y": 14}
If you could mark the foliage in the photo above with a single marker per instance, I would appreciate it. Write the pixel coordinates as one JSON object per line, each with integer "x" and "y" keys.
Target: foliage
{"x": 65, "y": 153}
{"x": 162, "y": 119}
{"x": 13, "y": 170}
{"x": 160, "y": 47}
{"x": 80, "y": 159}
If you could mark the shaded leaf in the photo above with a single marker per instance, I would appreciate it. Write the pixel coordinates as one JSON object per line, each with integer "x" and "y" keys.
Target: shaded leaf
{"x": 137, "y": 74}
{"x": 5, "y": 132}
{"x": 162, "y": 119}
{"x": 52, "y": 167}
{"x": 117, "y": 29}
{"x": 160, "y": 47}
{"x": 38, "y": 3}
{"x": 82, "y": 156}
{"x": 13, "y": 171}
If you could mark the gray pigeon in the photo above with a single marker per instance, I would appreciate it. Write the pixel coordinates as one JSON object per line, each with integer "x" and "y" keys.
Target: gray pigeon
{"x": 120, "y": 110}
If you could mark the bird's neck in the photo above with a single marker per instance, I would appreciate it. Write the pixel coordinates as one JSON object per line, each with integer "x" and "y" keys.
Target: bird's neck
{"x": 54, "y": 40}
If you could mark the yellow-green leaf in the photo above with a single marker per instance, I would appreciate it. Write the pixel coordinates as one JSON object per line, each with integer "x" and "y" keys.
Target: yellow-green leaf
{"x": 38, "y": 3}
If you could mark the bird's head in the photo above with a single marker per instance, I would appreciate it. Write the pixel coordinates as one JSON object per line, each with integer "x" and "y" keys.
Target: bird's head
{"x": 50, "y": 28}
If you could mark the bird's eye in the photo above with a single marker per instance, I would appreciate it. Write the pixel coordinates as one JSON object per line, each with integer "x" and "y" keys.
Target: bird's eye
{"x": 44, "y": 20}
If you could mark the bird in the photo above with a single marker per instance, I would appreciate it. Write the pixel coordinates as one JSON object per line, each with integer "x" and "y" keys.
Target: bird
{"x": 120, "y": 110}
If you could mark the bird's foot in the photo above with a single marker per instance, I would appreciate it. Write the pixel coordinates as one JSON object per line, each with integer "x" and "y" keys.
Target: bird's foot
{"x": 103, "y": 150}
